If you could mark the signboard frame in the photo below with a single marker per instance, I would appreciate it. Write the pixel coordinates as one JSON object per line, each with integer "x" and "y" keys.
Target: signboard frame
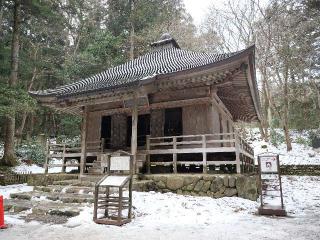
{"x": 275, "y": 171}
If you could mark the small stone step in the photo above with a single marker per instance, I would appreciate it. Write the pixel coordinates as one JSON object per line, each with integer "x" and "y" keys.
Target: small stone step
{"x": 50, "y": 188}
{"x": 48, "y": 212}
{"x": 52, "y": 208}
{"x": 84, "y": 184}
{"x": 65, "y": 182}
{"x": 91, "y": 178}
{"x": 64, "y": 189}
{"x": 143, "y": 185}
{"x": 17, "y": 205}
{"x": 78, "y": 183}
{"x": 66, "y": 198}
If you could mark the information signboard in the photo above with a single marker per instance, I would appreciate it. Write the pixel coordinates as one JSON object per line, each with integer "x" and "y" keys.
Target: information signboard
{"x": 269, "y": 164}
{"x": 270, "y": 185}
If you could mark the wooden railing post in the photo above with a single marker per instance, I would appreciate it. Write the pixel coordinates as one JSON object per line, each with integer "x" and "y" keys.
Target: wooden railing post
{"x": 237, "y": 147}
{"x": 204, "y": 154}
{"x": 63, "y": 158}
{"x": 46, "y": 167}
{"x": 103, "y": 140}
{"x": 148, "y": 154}
{"x": 174, "y": 140}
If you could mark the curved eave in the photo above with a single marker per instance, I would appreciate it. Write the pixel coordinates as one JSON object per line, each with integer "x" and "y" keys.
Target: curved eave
{"x": 247, "y": 55}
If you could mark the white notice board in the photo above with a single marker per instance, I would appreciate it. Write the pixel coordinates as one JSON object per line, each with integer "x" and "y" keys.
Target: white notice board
{"x": 269, "y": 164}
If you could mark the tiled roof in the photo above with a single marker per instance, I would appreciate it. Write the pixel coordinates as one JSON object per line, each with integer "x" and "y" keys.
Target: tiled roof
{"x": 167, "y": 58}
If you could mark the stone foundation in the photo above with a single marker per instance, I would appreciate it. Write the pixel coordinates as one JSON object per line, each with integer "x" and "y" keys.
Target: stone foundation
{"x": 215, "y": 186}
{"x": 48, "y": 179}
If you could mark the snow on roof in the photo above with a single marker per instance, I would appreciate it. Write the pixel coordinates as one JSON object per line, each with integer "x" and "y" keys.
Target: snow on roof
{"x": 166, "y": 59}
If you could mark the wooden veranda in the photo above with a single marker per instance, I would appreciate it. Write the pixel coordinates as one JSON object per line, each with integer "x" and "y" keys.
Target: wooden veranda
{"x": 207, "y": 145}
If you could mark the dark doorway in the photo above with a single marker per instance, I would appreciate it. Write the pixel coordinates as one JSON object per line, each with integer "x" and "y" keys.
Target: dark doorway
{"x": 105, "y": 132}
{"x": 143, "y": 129}
{"x": 173, "y": 122}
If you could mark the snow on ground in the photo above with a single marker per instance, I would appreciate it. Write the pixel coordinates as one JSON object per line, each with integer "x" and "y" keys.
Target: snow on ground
{"x": 23, "y": 168}
{"x": 6, "y": 190}
{"x": 300, "y": 154}
{"x": 170, "y": 216}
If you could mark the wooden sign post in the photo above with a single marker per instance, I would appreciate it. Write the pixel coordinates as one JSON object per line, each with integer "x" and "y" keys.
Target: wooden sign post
{"x": 270, "y": 185}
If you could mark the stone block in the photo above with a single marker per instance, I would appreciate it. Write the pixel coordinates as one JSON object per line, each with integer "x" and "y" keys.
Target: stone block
{"x": 208, "y": 177}
{"x": 191, "y": 179}
{"x": 175, "y": 182}
{"x": 247, "y": 187}
{"x": 190, "y": 187}
{"x": 226, "y": 181}
{"x": 216, "y": 184}
{"x": 161, "y": 184}
{"x": 157, "y": 178}
{"x": 230, "y": 192}
{"x": 232, "y": 181}
{"x": 198, "y": 186}
{"x": 206, "y": 186}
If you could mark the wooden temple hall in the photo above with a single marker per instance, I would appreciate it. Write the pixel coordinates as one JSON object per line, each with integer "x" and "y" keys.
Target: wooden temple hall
{"x": 173, "y": 109}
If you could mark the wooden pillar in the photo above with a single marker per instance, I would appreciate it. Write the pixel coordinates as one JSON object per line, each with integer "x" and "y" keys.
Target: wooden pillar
{"x": 204, "y": 154}
{"x": 83, "y": 140}
{"x": 175, "y": 170}
{"x": 46, "y": 167}
{"x": 64, "y": 159}
{"x": 148, "y": 155}
{"x": 237, "y": 147}
{"x": 134, "y": 133}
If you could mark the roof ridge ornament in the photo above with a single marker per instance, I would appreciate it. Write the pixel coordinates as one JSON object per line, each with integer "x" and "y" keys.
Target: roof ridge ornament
{"x": 165, "y": 41}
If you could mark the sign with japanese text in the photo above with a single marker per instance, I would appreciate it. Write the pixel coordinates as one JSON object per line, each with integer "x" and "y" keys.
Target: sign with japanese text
{"x": 269, "y": 164}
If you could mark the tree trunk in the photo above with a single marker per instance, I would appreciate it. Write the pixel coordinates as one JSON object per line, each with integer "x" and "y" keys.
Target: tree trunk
{"x": 286, "y": 111}
{"x": 265, "y": 124}
{"x": 1, "y": 15}
{"x": 132, "y": 31}
{"x": 9, "y": 157}
{"x": 20, "y": 129}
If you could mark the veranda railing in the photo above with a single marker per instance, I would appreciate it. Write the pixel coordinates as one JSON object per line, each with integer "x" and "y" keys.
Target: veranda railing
{"x": 204, "y": 144}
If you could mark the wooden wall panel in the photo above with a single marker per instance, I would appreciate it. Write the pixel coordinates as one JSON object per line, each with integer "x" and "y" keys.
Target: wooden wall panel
{"x": 213, "y": 119}
{"x": 118, "y": 131}
{"x": 157, "y": 122}
{"x": 93, "y": 126}
{"x": 195, "y": 119}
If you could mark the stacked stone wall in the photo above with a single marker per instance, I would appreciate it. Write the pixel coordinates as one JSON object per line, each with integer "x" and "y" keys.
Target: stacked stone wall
{"x": 215, "y": 186}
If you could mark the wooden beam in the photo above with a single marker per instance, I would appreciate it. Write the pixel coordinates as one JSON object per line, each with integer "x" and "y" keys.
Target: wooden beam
{"x": 193, "y": 150}
{"x": 169, "y": 104}
{"x": 83, "y": 140}
{"x": 217, "y": 101}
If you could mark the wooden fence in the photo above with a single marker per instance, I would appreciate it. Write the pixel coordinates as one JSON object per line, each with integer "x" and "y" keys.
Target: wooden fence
{"x": 14, "y": 178}
{"x": 204, "y": 144}
{"x": 71, "y": 154}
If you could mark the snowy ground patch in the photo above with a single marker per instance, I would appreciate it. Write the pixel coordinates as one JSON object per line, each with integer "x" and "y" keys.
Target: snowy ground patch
{"x": 171, "y": 216}
{"x": 33, "y": 168}
{"x": 300, "y": 155}
{"x": 16, "y": 188}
